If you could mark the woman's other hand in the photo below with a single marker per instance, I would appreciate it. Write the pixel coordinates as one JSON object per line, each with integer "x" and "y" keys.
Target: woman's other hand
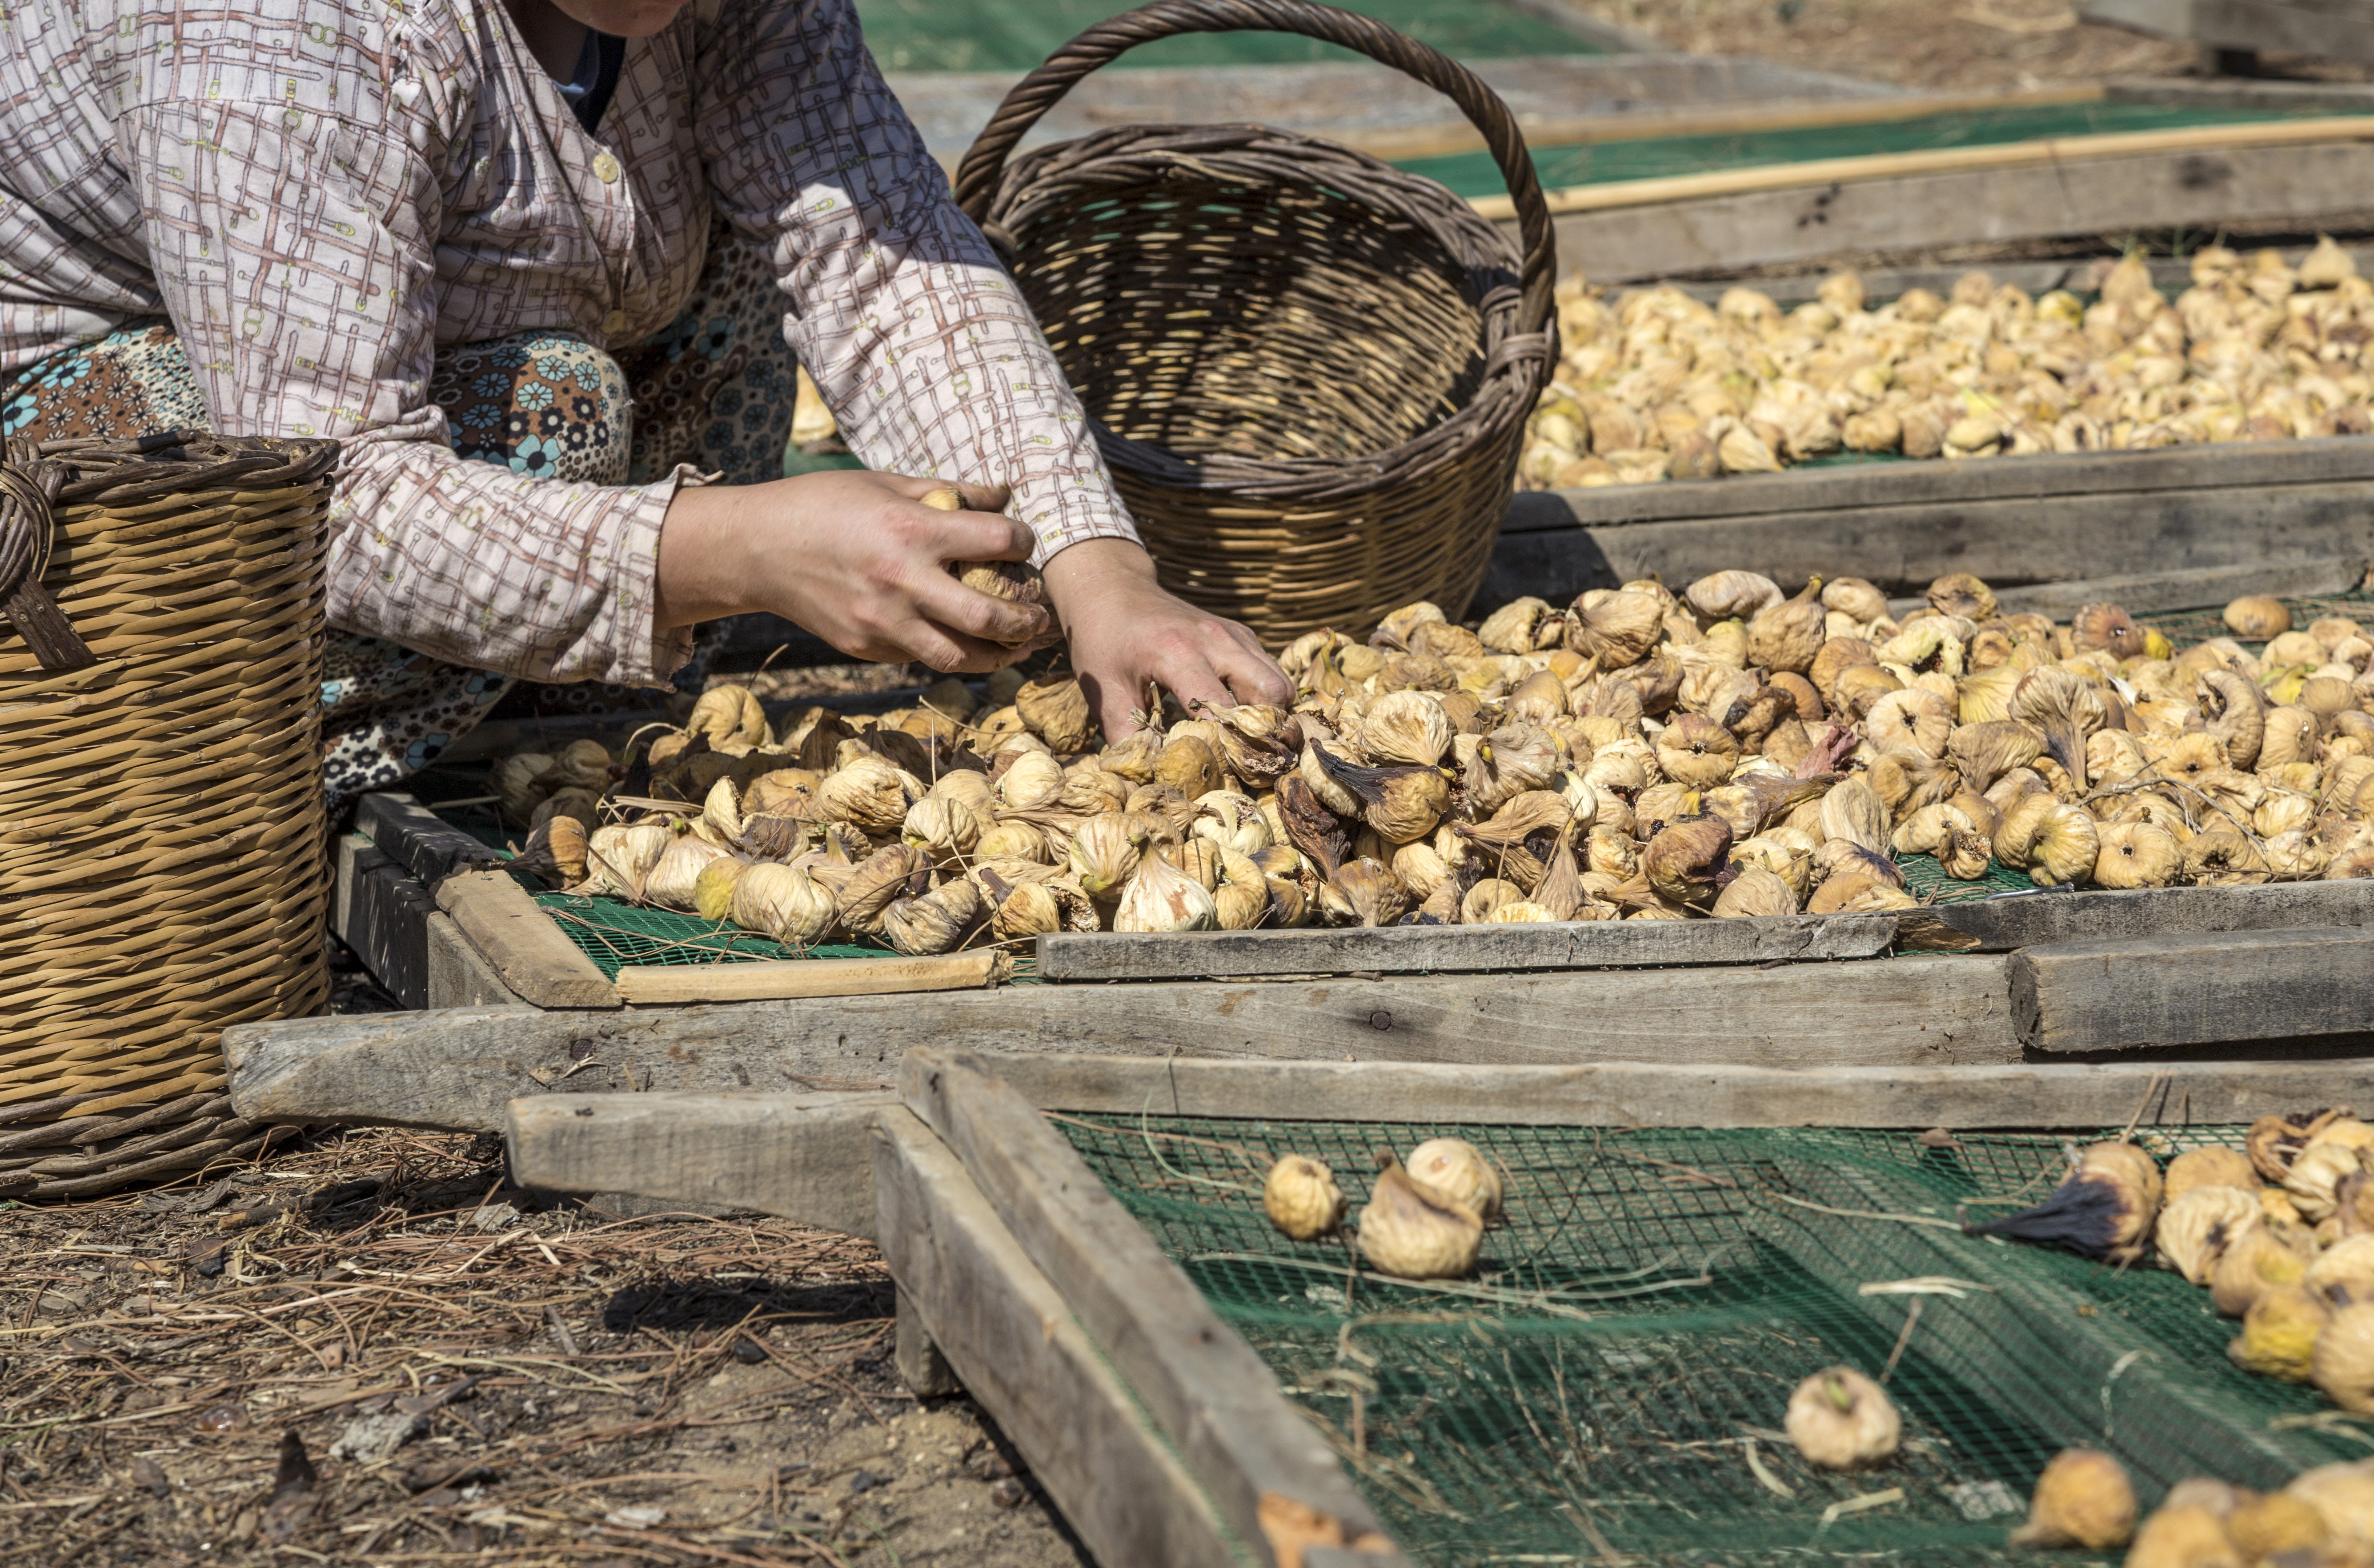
{"x": 854, "y": 557}
{"x": 1125, "y": 631}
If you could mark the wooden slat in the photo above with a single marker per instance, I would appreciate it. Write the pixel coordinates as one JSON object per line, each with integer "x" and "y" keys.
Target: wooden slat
{"x": 2047, "y": 476}
{"x": 1998, "y": 925}
{"x": 1443, "y": 949}
{"x": 809, "y": 1158}
{"x": 1903, "y": 548}
{"x": 2088, "y": 194}
{"x": 2126, "y": 993}
{"x": 1204, "y": 1385}
{"x": 381, "y": 911}
{"x": 419, "y": 839}
{"x": 533, "y": 956}
{"x": 1451, "y": 137}
{"x": 642, "y": 985}
{"x": 1012, "y": 1341}
{"x": 456, "y": 1069}
{"x": 2046, "y": 1096}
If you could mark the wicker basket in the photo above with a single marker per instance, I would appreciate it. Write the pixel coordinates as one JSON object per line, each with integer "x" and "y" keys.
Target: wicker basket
{"x": 161, "y": 873}
{"x": 1309, "y": 370}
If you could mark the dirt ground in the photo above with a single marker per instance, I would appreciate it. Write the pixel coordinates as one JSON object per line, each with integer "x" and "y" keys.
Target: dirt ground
{"x": 1960, "y": 45}
{"x": 371, "y": 1350}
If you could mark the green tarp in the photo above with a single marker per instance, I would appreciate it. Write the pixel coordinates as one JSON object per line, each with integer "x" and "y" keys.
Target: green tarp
{"x": 1015, "y": 35}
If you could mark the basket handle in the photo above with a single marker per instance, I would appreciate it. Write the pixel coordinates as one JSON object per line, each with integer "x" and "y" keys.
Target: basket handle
{"x": 1035, "y": 94}
{"x": 28, "y": 486}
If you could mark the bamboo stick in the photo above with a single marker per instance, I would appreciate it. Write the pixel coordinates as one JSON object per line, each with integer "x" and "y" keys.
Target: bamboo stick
{"x": 643, "y": 984}
{"x": 1441, "y": 141}
{"x": 1938, "y": 161}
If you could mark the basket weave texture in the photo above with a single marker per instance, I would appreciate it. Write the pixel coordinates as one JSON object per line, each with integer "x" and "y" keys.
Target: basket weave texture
{"x": 1308, "y": 371}
{"x": 161, "y": 809}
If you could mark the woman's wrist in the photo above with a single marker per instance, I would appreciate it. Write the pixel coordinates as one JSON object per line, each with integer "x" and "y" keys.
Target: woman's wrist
{"x": 703, "y": 573}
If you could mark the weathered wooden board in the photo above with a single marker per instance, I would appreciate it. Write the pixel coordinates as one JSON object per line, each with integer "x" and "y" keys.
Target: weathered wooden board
{"x": 2330, "y": 31}
{"x": 807, "y": 1157}
{"x": 1409, "y": 949}
{"x": 788, "y": 1154}
{"x": 2047, "y": 477}
{"x": 456, "y": 1069}
{"x": 1904, "y": 544}
{"x": 414, "y": 949}
{"x": 2045, "y": 1096}
{"x": 1925, "y": 212}
{"x": 2128, "y": 993}
{"x": 1200, "y": 1381}
{"x": 520, "y": 942}
{"x": 419, "y": 839}
{"x": 1012, "y": 1341}
{"x": 1998, "y": 925}
{"x": 1986, "y": 925}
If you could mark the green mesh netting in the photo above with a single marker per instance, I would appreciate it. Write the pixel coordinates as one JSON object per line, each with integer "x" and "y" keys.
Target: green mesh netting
{"x": 1475, "y": 174}
{"x": 612, "y": 932}
{"x": 998, "y": 35}
{"x": 1617, "y": 1371}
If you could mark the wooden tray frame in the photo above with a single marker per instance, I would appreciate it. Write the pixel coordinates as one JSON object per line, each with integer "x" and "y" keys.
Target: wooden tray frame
{"x": 1151, "y": 1422}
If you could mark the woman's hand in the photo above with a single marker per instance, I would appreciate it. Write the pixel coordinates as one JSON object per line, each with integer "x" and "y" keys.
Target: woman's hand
{"x": 1125, "y": 631}
{"x": 855, "y": 558}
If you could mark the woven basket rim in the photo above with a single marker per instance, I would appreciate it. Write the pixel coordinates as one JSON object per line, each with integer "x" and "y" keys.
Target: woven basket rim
{"x": 1517, "y": 365}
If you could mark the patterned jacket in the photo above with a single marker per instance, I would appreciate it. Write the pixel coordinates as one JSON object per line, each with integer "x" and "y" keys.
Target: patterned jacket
{"x": 322, "y": 194}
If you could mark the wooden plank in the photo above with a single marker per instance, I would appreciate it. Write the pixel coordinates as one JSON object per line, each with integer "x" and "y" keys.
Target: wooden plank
{"x": 2126, "y": 993}
{"x": 1445, "y": 948}
{"x": 2332, "y": 98}
{"x": 2326, "y": 32}
{"x": 533, "y": 956}
{"x": 1204, "y": 1386}
{"x": 1904, "y": 548}
{"x": 1888, "y": 168}
{"x": 805, "y": 1157}
{"x": 1999, "y": 925}
{"x": 381, "y": 911}
{"x": 2047, "y": 476}
{"x": 459, "y": 975}
{"x": 1921, "y": 213}
{"x": 2196, "y": 589}
{"x": 765, "y": 980}
{"x": 1454, "y": 136}
{"x": 457, "y": 1070}
{"x": 1012, "y": 1341}
{"x": 2073, "y": 1096}
{"x": 419, "y": 839}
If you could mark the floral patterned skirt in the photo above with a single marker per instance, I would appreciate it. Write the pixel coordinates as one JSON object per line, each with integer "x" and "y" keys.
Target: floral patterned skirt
{"x": 715, "y": 390}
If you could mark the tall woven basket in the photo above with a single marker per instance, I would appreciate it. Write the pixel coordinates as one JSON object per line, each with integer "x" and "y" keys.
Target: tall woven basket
{"x": 1309, "y": 371}
{"x": 161, "y": 873}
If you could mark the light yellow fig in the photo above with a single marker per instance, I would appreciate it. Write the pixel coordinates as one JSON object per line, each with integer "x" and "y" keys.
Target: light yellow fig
{"x": 1408, "y": 1231}
{"x": 1300, "y": 1198}
{"x": 2083, "y": 1499}
{"x": 1840, "y": 1420}
{"x": 1457, "y": 1170}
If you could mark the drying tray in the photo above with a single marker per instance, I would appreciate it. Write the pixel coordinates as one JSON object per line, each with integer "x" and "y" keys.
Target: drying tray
{"x": 1080, "y": 1245}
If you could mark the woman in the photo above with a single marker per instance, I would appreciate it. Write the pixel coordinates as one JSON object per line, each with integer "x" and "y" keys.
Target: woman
{"x": 544, "y": 270}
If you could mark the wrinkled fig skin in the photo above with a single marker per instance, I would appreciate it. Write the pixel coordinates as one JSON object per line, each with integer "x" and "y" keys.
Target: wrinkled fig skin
{"x": 1729, "y": 750}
